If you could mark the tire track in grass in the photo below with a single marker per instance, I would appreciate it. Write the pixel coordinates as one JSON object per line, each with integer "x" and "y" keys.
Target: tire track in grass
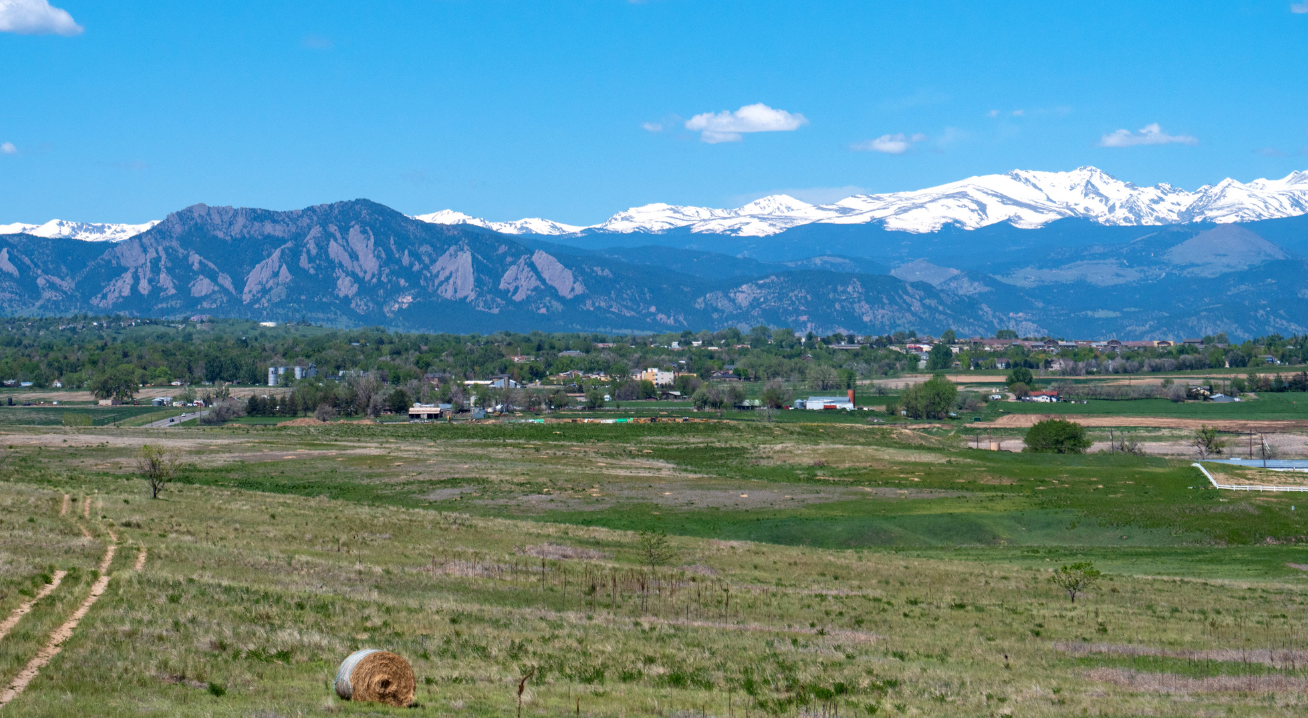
{"x": 63, "y": 510}
{"x": 86, "y": 508}
{"x": 140, "y": 561}
{"x": 65, "y": 631}
{"x": 24, "y": 609}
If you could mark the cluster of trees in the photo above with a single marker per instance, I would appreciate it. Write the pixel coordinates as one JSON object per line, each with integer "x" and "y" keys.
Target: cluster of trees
{"x": 114, "y": 355}
{"x": 932, "y": 399}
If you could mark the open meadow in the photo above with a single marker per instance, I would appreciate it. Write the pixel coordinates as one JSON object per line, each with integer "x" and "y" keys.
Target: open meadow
{"x": 810, "y": 569}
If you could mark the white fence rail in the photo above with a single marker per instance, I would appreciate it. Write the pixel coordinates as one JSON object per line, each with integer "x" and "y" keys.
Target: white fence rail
{"x": 1237, "y": 487}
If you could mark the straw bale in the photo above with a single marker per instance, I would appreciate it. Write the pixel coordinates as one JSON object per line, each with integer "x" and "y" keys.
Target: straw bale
{"x": 373, "y": 676}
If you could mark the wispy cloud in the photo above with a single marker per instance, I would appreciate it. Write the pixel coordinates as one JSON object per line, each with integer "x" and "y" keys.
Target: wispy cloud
{"x": 1299, "y": 8}
{"x": 1269, "y": 152}
{"x": 8, "y": 148}
{"x": 651, "y": 126}
{"x": 730, "y": 126}
{"x": 896, "y": 144}
{"x": 36, "y": 17}
{"x": 1148, "y": 135}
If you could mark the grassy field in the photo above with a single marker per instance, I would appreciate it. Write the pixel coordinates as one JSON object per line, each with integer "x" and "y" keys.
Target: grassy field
{"x": 54, "y": 415}
{"x": 818, "y": 568}
{"x": 1288, "y": 406}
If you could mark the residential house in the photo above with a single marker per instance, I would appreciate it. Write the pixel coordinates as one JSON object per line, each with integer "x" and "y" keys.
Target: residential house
{"x": 724, "y": 375}
{"x": 1043, "y": 397}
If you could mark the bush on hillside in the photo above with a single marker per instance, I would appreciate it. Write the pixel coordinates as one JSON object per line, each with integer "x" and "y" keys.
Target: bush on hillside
{"x": 1057, "y": 436}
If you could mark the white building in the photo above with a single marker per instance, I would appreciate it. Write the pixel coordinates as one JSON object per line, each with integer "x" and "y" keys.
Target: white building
{"x": 818, "y": 403}
{"x": 657, "y": 376}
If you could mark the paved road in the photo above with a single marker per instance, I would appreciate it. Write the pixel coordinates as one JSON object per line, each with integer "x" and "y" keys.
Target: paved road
{"x": 175, "y": 420}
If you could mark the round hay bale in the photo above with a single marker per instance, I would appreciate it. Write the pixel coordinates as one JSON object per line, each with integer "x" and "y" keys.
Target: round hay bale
{"x": 376, "y": 676}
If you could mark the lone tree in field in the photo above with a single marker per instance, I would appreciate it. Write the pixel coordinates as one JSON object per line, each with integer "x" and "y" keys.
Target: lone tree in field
{"x": 119, "y": 384}
{"x": 654, "y": 548}
{"x": 158, "y": 465}
{"x": 1020, "y": 375}
{"x": 774, "y": 397}
{"x": 1076, "y": 579}
{"x": 1056, "y": 436}
{"x": 1207, "y": 442}
{"x": 931, "y": 399}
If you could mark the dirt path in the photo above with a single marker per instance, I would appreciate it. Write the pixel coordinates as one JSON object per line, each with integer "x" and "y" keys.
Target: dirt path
{"x": 63, "y": 510}
{"x": 1235, "y": 426}
{"x": 64, "y": 632}
{"x": 140, "y": 560}
{"x": 86, "y": 508}
{"x": 26, "y": 608}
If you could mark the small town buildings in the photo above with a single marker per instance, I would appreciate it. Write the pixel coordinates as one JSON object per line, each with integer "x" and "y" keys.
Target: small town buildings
{"x": 656, "y": 376}
{"x": 430, "y": 412}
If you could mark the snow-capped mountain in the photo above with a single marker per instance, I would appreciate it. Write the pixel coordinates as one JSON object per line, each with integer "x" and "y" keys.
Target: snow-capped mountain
{"x": 86, "y": 231}
{"x": 1023, "y": 198}
{"x": 522, "y": 226}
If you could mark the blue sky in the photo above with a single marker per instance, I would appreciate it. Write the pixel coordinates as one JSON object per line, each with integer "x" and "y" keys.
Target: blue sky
{"x": 123, "y": 111}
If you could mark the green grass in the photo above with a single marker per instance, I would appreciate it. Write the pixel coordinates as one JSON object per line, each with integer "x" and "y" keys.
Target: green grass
{"x": 1277, "y": 406}
{"x": 265, "y": 571}
{"x": 53, "y": 415}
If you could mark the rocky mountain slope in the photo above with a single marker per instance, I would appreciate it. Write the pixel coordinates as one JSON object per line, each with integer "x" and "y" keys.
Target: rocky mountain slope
{"x": 359, "y": 262}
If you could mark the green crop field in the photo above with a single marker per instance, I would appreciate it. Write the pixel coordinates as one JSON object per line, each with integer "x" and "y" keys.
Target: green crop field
{"x": 817, "y": 565}
{"x": 54, "y": 415}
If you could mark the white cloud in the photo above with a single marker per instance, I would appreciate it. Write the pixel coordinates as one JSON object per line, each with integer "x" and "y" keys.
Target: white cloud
{"x": 896, "y": 144}
{"x": 992, "y": 113}
{"x": 1299, "y": 8}
{"x": 729, "y": 126}
{"x": 651, "y": 126}
{"x": 8, "y": 148}
{"x": 36, "y": 17}
{"x": 1148, "y": 135}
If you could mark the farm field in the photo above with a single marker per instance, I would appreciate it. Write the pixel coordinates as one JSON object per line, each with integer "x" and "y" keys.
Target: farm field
{"x": 814, "y": 568}
{"x": 1287, "y": 406}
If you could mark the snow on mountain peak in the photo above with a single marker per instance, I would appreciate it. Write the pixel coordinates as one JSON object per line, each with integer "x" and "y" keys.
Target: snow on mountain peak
{"x": 85, "y": 231}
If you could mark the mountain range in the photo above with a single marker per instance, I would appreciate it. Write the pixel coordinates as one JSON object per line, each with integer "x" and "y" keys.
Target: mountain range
{"x": 1025, "y": 199}
{"x": 1071, "y": 254}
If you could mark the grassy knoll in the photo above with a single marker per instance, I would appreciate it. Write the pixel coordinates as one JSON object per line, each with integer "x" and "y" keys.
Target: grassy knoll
{"x": 816, "y": 567}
